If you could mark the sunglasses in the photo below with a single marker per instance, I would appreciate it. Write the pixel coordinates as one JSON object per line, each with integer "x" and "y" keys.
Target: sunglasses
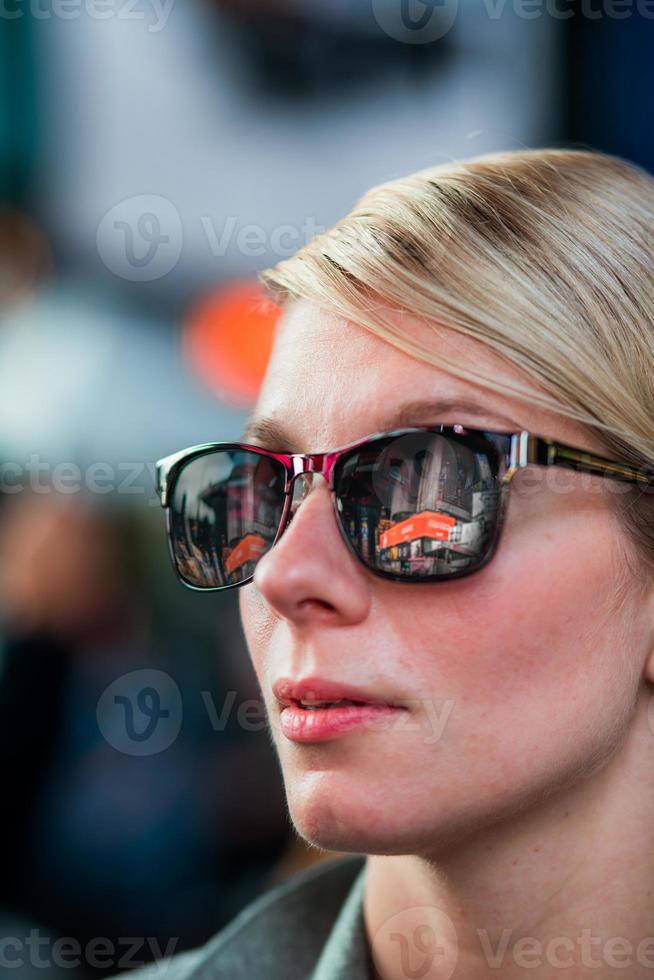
{"x": 416, "y": 505}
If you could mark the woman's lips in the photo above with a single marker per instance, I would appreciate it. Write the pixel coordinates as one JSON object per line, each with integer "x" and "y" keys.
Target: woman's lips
{"x": 300, "y": 724}
{"x": 316, "y": 709}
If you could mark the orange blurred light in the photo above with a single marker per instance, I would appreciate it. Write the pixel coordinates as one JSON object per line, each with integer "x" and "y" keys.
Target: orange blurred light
{"x": 227, "y": 340}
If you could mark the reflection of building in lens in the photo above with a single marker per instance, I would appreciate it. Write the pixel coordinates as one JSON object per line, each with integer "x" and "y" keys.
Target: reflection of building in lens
{"x": 430, "y": 541}
{"x": 433, "y": 509}
{"x": 240, "y": 561}
{"x": 429, "y": 524}
{"x": 365, "y": 537}
{"x": 193, "y": 545}
{"x": 410, "y": 541}
{"x": 245, "y": 511}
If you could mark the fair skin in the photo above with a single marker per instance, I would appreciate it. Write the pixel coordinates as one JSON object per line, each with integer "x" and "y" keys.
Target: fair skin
{"x": 519, "y": 801}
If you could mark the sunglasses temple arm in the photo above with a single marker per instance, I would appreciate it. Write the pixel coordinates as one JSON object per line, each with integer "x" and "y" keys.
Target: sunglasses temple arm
{"x": 550, "y": 453}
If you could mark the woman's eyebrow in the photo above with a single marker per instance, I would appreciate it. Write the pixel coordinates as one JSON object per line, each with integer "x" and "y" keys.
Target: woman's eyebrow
{"x": 274, "y": 435}
{"x": 423, "y": 410}
{"x": 268, "y": 433}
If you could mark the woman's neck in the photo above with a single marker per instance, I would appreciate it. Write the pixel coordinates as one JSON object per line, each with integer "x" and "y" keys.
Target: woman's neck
{"x": 566, "y": 883}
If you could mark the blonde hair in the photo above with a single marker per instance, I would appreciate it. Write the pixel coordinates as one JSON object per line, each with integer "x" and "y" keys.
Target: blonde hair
{"x": 546, "y": 256}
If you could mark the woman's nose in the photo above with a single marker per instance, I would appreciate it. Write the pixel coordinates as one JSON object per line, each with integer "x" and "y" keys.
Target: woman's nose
{"x": 309, "y": 575}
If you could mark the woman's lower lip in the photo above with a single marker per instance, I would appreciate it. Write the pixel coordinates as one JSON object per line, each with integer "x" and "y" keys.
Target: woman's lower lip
{"x": 318, "y": 724}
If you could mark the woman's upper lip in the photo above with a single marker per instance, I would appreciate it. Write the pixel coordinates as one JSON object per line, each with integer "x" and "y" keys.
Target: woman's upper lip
{"x": 287, "y": 691}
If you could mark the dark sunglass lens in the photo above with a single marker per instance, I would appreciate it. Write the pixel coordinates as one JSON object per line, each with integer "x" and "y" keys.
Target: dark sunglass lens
{"x": 420, "y": 505}
{"x": 225, "y": 511}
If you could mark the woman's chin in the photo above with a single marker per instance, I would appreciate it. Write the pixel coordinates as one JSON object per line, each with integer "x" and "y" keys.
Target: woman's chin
{"x": 346, "y": 837}
{"x": 354, "y": 821}
{"x": 344, "y": 811}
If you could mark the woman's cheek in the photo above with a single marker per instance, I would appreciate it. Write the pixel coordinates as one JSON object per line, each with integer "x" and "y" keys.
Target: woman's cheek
{"x": 534, "y": 620}
{"x": 258, "y": 624}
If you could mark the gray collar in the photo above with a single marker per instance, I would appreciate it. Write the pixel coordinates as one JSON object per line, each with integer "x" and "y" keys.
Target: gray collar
{"x": 345, "y": 955}
{"x": 310, "y": 927}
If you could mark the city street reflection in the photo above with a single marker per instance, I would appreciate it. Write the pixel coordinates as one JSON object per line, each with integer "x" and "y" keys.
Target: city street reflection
{"x": 434, "y": 508}
{"x": 225, "y": 512}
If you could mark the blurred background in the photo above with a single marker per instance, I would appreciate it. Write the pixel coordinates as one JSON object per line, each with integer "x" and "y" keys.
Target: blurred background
{"x": 154, "y": 156}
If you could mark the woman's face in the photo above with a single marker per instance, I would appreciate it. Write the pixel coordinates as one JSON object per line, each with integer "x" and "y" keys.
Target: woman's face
{"x": 516, "y": 681}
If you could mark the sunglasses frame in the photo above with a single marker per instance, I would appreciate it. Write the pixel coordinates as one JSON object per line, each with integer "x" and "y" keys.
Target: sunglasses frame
{"x": 521, "y": 448}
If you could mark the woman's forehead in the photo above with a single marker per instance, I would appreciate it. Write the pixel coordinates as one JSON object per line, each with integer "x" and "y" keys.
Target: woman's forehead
{"x": 330, "y": 380}
{"x": 314, "y": 336}
{"x": 317, "y": 353}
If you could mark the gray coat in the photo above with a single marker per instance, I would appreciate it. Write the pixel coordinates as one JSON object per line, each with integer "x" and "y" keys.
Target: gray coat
{"x": 310, "y": 927}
